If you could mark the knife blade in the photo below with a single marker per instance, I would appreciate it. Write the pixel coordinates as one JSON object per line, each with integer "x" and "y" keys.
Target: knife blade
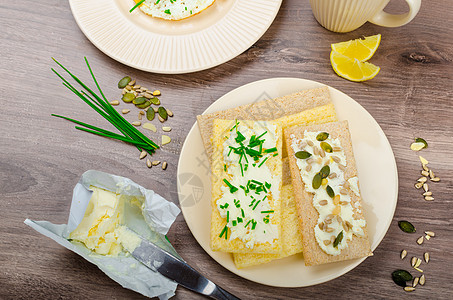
{"x": 157, "y": 259}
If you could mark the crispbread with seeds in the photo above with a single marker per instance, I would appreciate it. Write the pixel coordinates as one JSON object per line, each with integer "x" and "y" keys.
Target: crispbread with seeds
{"x": 358, "y": 247}
{"x": 272, "y": 109}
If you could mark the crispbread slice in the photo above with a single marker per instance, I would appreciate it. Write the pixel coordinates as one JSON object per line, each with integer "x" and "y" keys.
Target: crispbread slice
{"x": 222, "y": 129}
{"x": 265, "y": 110}
{"x": 291, "y": 236}
{"x": 358, "y": 247}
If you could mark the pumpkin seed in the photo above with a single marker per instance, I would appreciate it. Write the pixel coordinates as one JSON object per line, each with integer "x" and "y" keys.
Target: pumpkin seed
{"x": 325, "y": 171}
{"x": 123, "y": 82}
{"x": 409, "y": 289}
{"x": 143, "y": 154}
{"x": 148, "y": 163}
{"x": 326, "y": 147}
{"x": 166, "y": 128}
{"x": 143, "y": 105}
{"x": 420, "y": 240}
{"x": 164, "y": 165}
{"x": 430, "y": 233}
{"x": 323, "y": 202}
{"x": 139, "y": 100}
{"x": 316, "y": 181}
{"x": 302, "y": 154}
{"x": 406, "y": 226}
{"x": 150, "y": 114}
{"x": 415, "y": 282}
{"x": 114, "y": 102}
{"x": 156, "y": 93}
{"x": 420, "y": 140}
{"x": 150, "y": 126}
{"x": 400, "y": 277}
{"x": 422, "y": 280}
{"x": 165, "y": 139}
{"x": 155, "y": 101}
{"x": 163, "y": 113}
{"x": 330, "y": 191}
{"x": 338, "y": 239}
{"x": 128, "y": 97}
{"x": 403, "y": 254}
{"x": 426, "y": 257}
{"x": 322, "y": 136}
{"x": 136, "y": 123}
{"x": 125, "y": 111}
{"x": 169, "y": 113}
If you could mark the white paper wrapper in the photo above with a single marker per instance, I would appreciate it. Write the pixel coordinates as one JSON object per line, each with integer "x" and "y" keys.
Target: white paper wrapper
{"x": 153, "y": 222}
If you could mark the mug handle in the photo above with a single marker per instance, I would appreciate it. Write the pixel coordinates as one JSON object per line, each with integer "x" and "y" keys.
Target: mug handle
{"x": 389, "y": 20}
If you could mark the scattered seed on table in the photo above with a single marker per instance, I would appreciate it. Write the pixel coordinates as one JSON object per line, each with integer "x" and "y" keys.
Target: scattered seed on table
{"x": 418, "y": 185}
{"x": 425, "y": 187}
{"x": 425, "y": 173}
{"x": 148, "y": 163}
{"x": 403, "y": 253}
{"x": 166, "y": 128}
{"x": 427, "y": 193}
{"x": 430, "y": 233}
{"x": 422, "y": 280}
{"x": 426, "y": 256}
{"x": 164, "y": 165}
{"x": 427, "y": 237}
{"x": 422, "y": 179}
{"x": 409, "y": 289}
{"x": 143, "y": 154}
{"x": 413, "y": 261}
{"x": 156, "y": 93}
{"x": 429, "y": 198}
{"x": 415, "y": 282}
{"x": 435, "y": 179}
{"x": 136, "y": 123}
{"x": 169, "y": 113}
{"x": 125, "y": 111}
{"x": 156, "y": 162}
{"x": 420, "y": 240}
{"x": 115, "y": 102}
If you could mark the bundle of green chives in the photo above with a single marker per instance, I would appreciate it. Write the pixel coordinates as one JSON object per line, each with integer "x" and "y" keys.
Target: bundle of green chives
{"x": 130, "y": 134}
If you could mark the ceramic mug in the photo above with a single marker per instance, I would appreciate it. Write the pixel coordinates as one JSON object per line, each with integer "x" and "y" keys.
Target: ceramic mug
{"x": 348, "y": 15}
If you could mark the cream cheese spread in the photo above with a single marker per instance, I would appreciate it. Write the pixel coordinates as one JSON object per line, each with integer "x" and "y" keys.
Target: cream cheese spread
{"x": 249, "y": 184}
{"x": 336, "y": 222}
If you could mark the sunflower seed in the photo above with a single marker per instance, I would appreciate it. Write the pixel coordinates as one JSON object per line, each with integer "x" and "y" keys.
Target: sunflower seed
{"x": 327, "y": 242}
{"x": 319, "y": 160}
{"x": 124, "y": 91}
{"x": 420, "y": 240}
{"x": 348, "y": 224}
{"x": 137, "y": 86}
{"x": 166, "y": 128}
{"x": 413, "y": 261}
{"x": 143, "y": 154}
{"x": 427, "y": 237}
{"x": 418, "y": 185}
{"x": 422, "y": 280}
{"x": 415, "y": 282}
{"x": 323, "y": 202}
{"x": 147, "y": 95}
{"x": 409, "y": 289}
{"x": 164, "y": 165}
{"x": 429, "y": 198}
{"x": 425, "y": 173}
{"x": 422, "y": 179}
{"x": 418, "y": 263}
{"x": 344, "y": 202}
{"x": 115, "y": 102}
{"x": 125, "y": 111}
{"x": 156, "y": 162}
{"x": 403, "y": 254}
{"x": 418, "y": 269}
{"x": 165, "y": 139}
{"x": 427, "y": 193}
{"x": 417, "y": 146}
{"x": 148, "y": 163}
{"x": 435, "y": 179}
{"x": 302, "y": 144}
{"x": 335, "y": 159}
{"x": 423, "y": 160}
{"x": 328, "y": 221}
{"x": 425, "y": 168}
{"x": 431, "y": 174}
{"x": 169, "y": 113}
{"x": 160, "y": 119}
{"x": 140, "y": 116}
{"x": 425, "y": 187}
{"x": 430, "y": 233}
{"x": 426, "y": 257}
{"x": 136, "y": 123}
{"x": 128, "y": 87}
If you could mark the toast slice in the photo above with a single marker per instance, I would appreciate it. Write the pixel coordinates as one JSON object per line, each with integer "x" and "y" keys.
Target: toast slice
{"x": 333, "y": 228}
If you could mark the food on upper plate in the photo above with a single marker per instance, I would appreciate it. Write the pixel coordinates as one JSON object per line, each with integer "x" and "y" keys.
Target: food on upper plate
{"x": 296, "y": 104}
{"x": 174, "y": 10}
{"x": 325, "y": 182}
{"x": 246, "y": 184}
{"x": 291, "y": 236}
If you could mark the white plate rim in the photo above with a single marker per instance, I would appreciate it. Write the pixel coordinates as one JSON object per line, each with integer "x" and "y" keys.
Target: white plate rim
{"x": 247, "y": 37}
{"x": 352, "y": 263}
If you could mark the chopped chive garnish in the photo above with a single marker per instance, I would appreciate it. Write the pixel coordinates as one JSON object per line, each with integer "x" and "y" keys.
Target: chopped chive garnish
{"x": 268, "y": 185}
{"x": 157, "y": 2}
{"x": 266, "y": 220}
{"x": 138, "y": 4}
{"x": 232, "y": 187}
{"x": 167, "y": 11}
{"x": 248, "y": 223}
{"x": 267, "y": 211}
{"x": 226, "y": 205}
{"x": 257, "y": 182}
{"x": 224, "y": 231}
{"x": 228, "y": 216}
{"x": 242, "y": 171}
{"x": 239, "y": 220}
{"x": 242, "y": 213}
{"x": 240, "y": 137}
{"x": 270, "y": 150}
{"x": 237, "y": 123}
{"x": 246, "y": 167}
{"x": 234, "y": 222}
{"x": 253, "y": 225}
{"x": 224, "y": 168}
{"x": 256, "y": 204}
{"x": 275, "y": 155}
{"x": 264, "y": 160}
{"x": 185, "y": 8}
{"x": 261, "y": 135}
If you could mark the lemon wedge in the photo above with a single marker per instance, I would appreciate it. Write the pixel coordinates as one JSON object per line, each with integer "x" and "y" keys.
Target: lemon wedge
{"x": 352, "y": 68}
{"x": 361, "y": 49}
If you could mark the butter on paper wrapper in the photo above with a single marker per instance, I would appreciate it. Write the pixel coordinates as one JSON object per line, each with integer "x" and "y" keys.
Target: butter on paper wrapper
{"x": 151, "y": 222}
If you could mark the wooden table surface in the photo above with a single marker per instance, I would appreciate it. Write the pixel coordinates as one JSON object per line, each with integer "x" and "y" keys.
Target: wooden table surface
{"x": 42, "y": 158}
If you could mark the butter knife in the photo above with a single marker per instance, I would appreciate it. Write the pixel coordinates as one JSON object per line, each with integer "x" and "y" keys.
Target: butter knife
{"x": 157, "y": 259}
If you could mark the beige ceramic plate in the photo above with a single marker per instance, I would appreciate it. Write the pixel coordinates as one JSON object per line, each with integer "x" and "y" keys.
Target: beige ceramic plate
{"x": 375, "y": 163}
{"x": 219, "y": 33}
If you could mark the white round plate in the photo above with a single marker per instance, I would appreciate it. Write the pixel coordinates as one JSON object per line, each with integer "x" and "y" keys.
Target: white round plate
{"x": 375, "y": 163}
{"x": 221, "y": 32}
